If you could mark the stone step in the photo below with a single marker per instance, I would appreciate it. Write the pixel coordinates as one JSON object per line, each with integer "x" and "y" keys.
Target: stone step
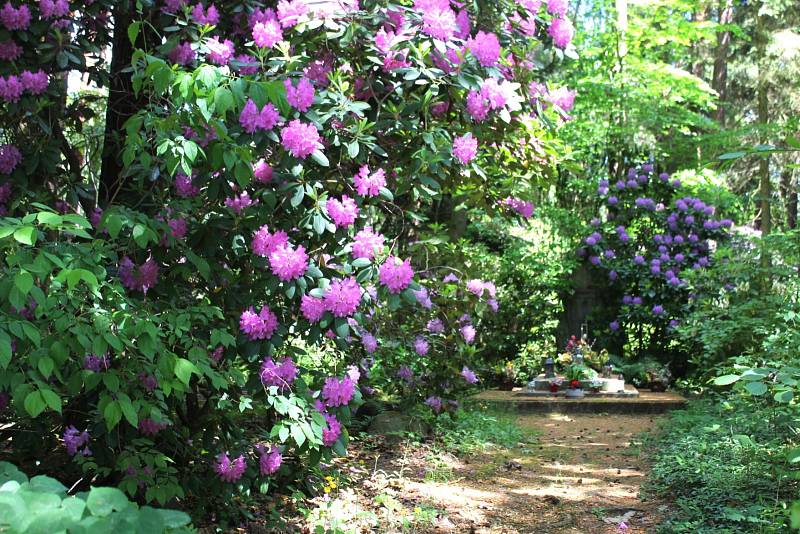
{"x": 647, "y": 402}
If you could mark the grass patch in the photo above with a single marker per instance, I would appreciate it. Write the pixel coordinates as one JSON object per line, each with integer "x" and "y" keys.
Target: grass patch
{"x": 476, "y": 428}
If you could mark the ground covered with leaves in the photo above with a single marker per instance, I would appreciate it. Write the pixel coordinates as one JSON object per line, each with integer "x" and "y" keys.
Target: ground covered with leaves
{"x": 494, "y": 474}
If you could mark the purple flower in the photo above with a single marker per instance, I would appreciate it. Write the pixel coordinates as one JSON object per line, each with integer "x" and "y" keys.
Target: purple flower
{"x": 312, "y": 308}
{"x": 301, "y": 96}
{"x": 288, "y": 263}
{"x": 269, "y": 461}
{"x": 435, "y": 403}
{"x": 561, "y": 30}
{"x": 148, "y": 427}
{"x": 369, "y": 185}
{"x": 421, "y": 346}
{"x": 614, "y": 326}
{"x": 366, "y": 244}
{"x": 258, "y": 326}
{"x": 469, "y": 375}
{"x": 300, "y": 139}
{"x": 465, "y": 148}
{"x": 370, "y": 342}
{"x": 333, "y": 430}
{"x": 486, "y": 48}
{"x": 138, "y": 278}
{"x": 468, "y": 333}
{"x": 267, "y": 34}
{"x": 74, "y": 440}
{"x": 282, "y": 374}
{"x": 219, "y": 53}
{"x": 395, "y": 274}
{"x": 182, "y": 54}
{"x": 96, "y": 364}
{"x": 230, "y": 471}
{"x": 338, "y": 392}
{"x": 405, "y": 374}
{"x": 342, "y": 297}
{"x": 435, "y": 326}
{"x": 658, "y": 309}
{"x": 342, "y": 212}
{"x": 10, "y": 157}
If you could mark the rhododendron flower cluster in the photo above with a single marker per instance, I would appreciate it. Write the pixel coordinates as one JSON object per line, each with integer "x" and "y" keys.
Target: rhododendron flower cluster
{"x": 138, "y": 277}
{"x": 300, "y": 139}
{"x": 259, "y": 325}
{"x": 369, "y": 185}
{"x": 486, "y": 48}
{"x": 366, "y": 243}
{"x": 230, "y": 471}
{"x": 269, "y": 461}
{"x": 342, "y": 212}
{"x": 469, "y": 375}
{"x": 265, "y": 243}
{"x": 10, "y": 157}
{"x": 300, "y": 96}
{"x": 95, "y": 363}
{"x": 148, "y": 427}
{"x": 338, "y": 392}
{"x": 253, "y": 119}
{"x": 267, "y": 34}
{"x": 396, "y": 274}
{"x": 288, "y": 263}
{"x": 220, "y": 52}
{"x": 522, "y": 207}
{"x": 239, "y": 203}
{"x": 333, "y": 430}
{"x": 282, "y": 374}
{"x": 74, "y": 440}
{"x": 342, "y": 297}
{"x": 465, "y": 148}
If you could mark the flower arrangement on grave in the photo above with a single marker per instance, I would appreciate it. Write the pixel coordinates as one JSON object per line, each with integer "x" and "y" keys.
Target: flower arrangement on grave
{"x": 580, "y": 348}
{"x": 574, "y": 374}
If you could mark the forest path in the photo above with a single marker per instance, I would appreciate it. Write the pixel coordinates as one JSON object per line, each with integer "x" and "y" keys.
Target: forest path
{"x": 582, "y": 474}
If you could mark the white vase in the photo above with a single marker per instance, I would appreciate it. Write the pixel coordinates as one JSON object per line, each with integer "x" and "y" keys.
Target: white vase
{"x": 574, "y": 393}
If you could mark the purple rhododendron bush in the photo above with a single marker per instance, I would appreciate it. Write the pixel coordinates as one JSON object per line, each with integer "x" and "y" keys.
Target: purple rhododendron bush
{"x": 252, "y": 193}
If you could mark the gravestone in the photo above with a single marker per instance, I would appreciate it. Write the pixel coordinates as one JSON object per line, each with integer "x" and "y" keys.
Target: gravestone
{"x": 577, "y": 306}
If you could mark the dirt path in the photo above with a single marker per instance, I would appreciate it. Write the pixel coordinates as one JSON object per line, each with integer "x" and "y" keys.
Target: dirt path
{"x": 579, "y": 474}
{"x": 583, "y": 476}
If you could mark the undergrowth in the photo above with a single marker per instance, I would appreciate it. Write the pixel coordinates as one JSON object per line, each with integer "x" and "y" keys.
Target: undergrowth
{"x": 477, "y": 428}
{"x": 723, "y": 465}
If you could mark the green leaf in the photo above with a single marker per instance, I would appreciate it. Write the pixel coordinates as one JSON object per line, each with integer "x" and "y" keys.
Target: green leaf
{"x": 49, "y": 218}
{"x": 112, "y": 414}
{"x": 184, "y": 369}
{"x": 298, "y": 436}
{"x": 783, "y": 396}
{"x": 52, "y": 399}
{"x": 34, "y": 403}
{"x": 133, "y": 31}
{"x": 140, "y": 235}
{"x": 283, "y": 434}
{"x": 26, "y": 235}
{"x": 113, "y": 225}
{"x": 223, "y": 101}
{"x": 756, "y": 388}
{"x": 24, "y": 282}
{"x": 320, "y": 158}
{"x": 102, "y": 501}
{"x": 45, "y": 366}
{"x": 793, "y": 455}
{"x": 173, "y": 518}
{"x": 726, "y": 380}
{"x": 128, "y": 410}
{"x": 5, "y": 349}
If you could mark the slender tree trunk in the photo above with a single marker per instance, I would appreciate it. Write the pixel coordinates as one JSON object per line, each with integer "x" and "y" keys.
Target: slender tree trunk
{"x": 719, "y": 81}
{"x": 121, "y": 103}
{"x": 699, "y": 48}
{"x": 765, "y": 186}
{"x": 789, "y": 194}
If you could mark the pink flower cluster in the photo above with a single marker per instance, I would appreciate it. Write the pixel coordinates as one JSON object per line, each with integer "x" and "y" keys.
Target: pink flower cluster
{"x": 438, "y": 19}
{"x": 138, "y": 278}
{"x": 369, "y": 185}
{"x": 10, "y": 51}
{"x": 342, "y": 297}
{"x": 485, "y": 47}
{"x": 522, "y": 207}
{"x": 333, "y": 430}
{"x": 10, "y": 157}
{"x": 15, "y": 18}
{"x": 269, "y": 461}
{"x": 290, "y": 11}
{"x": 208, "y": 16}
{"x": 338, "y": 392}
{"x": 259, "y": 325}
{"x": 282, "y": 374}
{"x": 262, "y": 171}
{"x": 239, "y": 203}
{"x": 366, "y": 243}
{"x": 313, "y": 308}
{"x": 12, "y": 87}
{"x": 300, "y": 139}
{"x": 51, "y": 9}
{"x": 288, "y": 263}
{"x": 342, "y": 212}
{"x": 396, "y": 274}
{"x": 182, "y": 54}
{"x": 230, "y": 471}
{"x": 465, "y": 148}
{"x": 300, "y": 96}
{"x": 74, "y": 440}
{"x": 562, "y": 31}
{"x": 184, "y": 186}
{"x": 220, "y": 52}
{"x": 267, "y": 34}
{"x": 264, "y": 242}
{"x": 252, "y": 119}
{"x": 492, "y": 95}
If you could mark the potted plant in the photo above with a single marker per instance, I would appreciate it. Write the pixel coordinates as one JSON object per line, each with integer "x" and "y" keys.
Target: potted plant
{"x": 595, "y": 385}
{"x": 574, "y": 374}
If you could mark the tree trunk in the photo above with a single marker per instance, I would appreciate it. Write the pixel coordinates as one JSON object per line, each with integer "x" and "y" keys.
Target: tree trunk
{"x": 789, "y": 194}
{"x": 121, "y": 103}
{"x": 719, "y": 80}
{"x": 765, "y": 186}
{"x": 699, "y": 48}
